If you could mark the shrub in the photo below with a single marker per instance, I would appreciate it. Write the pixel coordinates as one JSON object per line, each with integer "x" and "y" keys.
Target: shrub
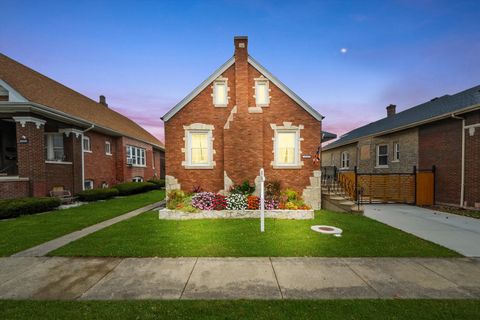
{"x": 253, "y": 202}
{"x": 97, "y": 194}
{"x": 244, "y": 188}
{"x": 203, "y": 200}
{"x": 159, "y": 182}
{"x": 236, "y": 201}
{"x": 11, "y": 208}
{"x": 175, "y": 197}
{"x": 290, "y": 195}
{"x": 129, "y": 188}
{"x": 219, "y": 202}
{"x": 272, "y": 190}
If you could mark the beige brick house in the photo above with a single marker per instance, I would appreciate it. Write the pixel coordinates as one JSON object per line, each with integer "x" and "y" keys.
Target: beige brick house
{"x": 241, "y": 119}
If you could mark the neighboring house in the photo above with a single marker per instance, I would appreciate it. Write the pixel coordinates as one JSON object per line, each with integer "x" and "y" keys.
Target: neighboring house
{"x": 239, "y": 120}
{"x": 444, "y": 132}
{"x": 52, "y": 136}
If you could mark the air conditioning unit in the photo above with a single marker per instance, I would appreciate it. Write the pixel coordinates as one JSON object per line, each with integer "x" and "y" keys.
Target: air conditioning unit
{"x": 129, "y": 161}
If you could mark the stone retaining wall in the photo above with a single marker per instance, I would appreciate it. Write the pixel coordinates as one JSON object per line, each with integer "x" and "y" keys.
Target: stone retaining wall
{"x": 166, "y": 214}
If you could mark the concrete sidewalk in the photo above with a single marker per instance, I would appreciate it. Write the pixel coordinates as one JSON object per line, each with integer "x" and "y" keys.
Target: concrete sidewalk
{"x": 458, "y": 233}
{"x": 44, "y": 248}
{"x": 238, "y": 278}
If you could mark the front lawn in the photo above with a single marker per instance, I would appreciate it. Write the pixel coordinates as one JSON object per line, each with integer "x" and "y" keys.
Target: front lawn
{"x": 28, "y": 231}
{"x": 146, "y": 235}
{"x": 242, "y": 309}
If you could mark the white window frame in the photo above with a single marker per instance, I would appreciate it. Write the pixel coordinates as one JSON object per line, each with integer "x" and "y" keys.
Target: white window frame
{"x": 259, "y": 81}
{"x": 396, "y": 152}
{"x": 108, "y": 148}
{"x": 50, "y": 150}
{"x": 209, "y": 149}
{"x": 88, "y": 182}
{"x": 216, "y": 87}
{"x": 296, "y": 164}
{"x": 137, "y": 179}
{"x": 138, "y": 156}
{"x": 378, "y": 165}
{"x": 89, "y": 145}
{"x": 345, "y": 160}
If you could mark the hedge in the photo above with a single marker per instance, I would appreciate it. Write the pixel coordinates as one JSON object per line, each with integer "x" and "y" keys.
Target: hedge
{"x": 159, "y": 182}
{"x": 128, "y": 188}
{"x": 97, "y": 194}
{"x": 11, "y": 208}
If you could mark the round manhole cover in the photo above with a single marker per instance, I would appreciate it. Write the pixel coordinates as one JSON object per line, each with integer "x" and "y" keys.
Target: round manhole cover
{"x": 327, "y": 229}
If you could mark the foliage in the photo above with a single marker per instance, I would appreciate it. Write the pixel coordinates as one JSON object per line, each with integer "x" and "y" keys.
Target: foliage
{"x": 129, "y": 188}
{"x": 204, "y": 200}
{"x": 253, "y": 203}
{"x": 236, "y": 201}
{"x": 271, "y": 204}
{"x": 219, "y": 202}
{"x": 11, "y": 208}
{"x": 97, "y": 194}
{"x": 245, "y": 188}
{"x": 197, "y": 189}
{"x": 185, "y": 205}
{"x": 158, "y": 182}
{"x": 175, "y": 197}
{"x": 294, "y": 205}
{"x": 290, "y": 195}
{"x": 272, "y": 190}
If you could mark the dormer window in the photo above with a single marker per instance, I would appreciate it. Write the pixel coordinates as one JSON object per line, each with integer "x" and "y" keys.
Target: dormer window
{"x": 220, "y": 92}
{"x": 262, "y": 92}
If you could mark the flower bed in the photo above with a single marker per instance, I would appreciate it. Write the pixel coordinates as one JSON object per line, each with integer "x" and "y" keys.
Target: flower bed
{"x": 167, "y": 214}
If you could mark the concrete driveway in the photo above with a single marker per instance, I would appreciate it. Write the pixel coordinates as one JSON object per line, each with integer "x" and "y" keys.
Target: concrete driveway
{"x": 458, "y": 233}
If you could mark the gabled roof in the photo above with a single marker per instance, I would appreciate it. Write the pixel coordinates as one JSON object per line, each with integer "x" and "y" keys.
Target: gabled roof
{"x": 257, "y": 66}
{"x": 430, "y": 111}
{"x": 327, "y": 136}
{"x": 39, "y": 89}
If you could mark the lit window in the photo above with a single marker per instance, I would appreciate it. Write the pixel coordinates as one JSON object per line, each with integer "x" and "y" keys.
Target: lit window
{"x": 137, "y": 179}
{"x": 382, "y": 155}
{"x": 86, "y": 144}
{"x": 88, "y": 184}
{"x": 136, "y": 156}
{"x": 108, "y": 148}
{"x": 396, "y": 152}
{"x": 345, "y": 159}
{"x": 54, "y": 147}
{"x": 220, "y": 93}
{"x": 262, "y": 93}
{"x": 286, "y": 148}
{"x": 199, "y": 154}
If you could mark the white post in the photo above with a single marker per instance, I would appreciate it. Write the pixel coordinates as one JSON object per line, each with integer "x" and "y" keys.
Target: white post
{"x": 262, "y": 201}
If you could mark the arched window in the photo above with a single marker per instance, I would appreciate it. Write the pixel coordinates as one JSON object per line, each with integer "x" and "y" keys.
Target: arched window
{"x": 137, "y": 179}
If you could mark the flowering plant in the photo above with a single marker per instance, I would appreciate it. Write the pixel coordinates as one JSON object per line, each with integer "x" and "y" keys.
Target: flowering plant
{"x": 219, "y": 202}
{"x": 204, "y": 200}
{"x": 236, "y": 201}
{"x": 271, "y": 204}
{"x": 253, "y": 202}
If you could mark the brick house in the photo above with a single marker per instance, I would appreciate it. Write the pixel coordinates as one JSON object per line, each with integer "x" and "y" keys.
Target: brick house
{"x": 238, "y": 120}
{"x": 53, "y": 136}
{"x": 443, "y": 132}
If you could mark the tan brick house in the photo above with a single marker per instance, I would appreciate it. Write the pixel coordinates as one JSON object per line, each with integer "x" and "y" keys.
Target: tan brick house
{"x": 52, "y": 136}
{"x": 443, "y": 132}
{"x": 241, "y": 119}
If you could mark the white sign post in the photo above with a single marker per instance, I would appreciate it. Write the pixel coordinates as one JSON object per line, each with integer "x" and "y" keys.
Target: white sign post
{"x": 262, "y": 200}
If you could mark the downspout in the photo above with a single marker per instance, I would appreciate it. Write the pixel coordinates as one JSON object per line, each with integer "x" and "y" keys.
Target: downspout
{"x": 83, "y": 155}
{"x": 462, "y": 183}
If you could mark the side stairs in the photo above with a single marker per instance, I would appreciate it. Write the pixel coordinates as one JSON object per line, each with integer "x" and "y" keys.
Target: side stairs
{"x": 334, "y": 198}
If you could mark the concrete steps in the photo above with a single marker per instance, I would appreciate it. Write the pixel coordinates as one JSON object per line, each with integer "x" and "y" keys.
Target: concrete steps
{"x": 335, "y": 199}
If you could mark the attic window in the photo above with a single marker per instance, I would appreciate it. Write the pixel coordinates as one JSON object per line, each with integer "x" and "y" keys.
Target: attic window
{"x": 220, "y": 92}
{"x": 262, "y": 92}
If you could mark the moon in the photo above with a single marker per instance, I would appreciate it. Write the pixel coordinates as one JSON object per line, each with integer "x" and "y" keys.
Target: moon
{"x": 343, "y": 50}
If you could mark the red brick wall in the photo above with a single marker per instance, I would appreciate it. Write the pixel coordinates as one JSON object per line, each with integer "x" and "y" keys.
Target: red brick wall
{"x": 59, "y": 174}
{"x": 127, "y": 173}
{"x": 472, "y": 161}
{"x": 14, "y": 189}
{"x": 99, "y": 166}
{"x": 247, "y": 146}
{"x": 440, "y": 144}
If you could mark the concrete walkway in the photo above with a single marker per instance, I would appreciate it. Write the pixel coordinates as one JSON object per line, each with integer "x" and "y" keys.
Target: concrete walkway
{"x": 459, "y": 233}
{"x": 44, "y": 248}
{"x": 238, "y": 278}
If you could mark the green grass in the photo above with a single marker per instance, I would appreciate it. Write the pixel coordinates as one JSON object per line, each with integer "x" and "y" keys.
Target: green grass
{"x": 146, "y": 235}
{"x": 27, "y": 231}
{"x": 242, "y": 309}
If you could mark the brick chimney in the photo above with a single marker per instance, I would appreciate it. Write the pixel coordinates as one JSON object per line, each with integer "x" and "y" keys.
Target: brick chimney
{"x": 241, "y": 72}
{"x": 103, "y": 100}
{"x": 391, "y": 110}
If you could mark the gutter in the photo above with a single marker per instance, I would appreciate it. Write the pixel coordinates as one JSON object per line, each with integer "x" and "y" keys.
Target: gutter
{"x": 83, "y": 155}
{"x": 462, "y": 174}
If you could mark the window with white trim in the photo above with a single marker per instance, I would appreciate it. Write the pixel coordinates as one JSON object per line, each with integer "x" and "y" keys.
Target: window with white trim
{"x": 199, "y": 147}
{"x": 287, "y": 148}
{"x": 86, "y": 144}
{"x": 262, "y": 92}
{"x": 345, "y": 160}
{"x": 88, "y": 185}
{"x": 137, "y": 179}
{"x": 396, "y": 151}
{"x": 136, "y": 156}
{"x": 382, "y": 155}
{"x": 54, "y": 147}
{"x": 220, "y": 93}
{"x": 108, "y": 148}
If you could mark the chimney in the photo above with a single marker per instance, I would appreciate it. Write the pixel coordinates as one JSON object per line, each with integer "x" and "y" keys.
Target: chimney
{"x": 241, "y": 72}
{"x": 391, "y": 110}
{"x": 103, "y": 100}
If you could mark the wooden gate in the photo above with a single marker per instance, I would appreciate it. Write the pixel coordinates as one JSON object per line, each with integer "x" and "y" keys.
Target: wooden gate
{"x": 425, "y": 188}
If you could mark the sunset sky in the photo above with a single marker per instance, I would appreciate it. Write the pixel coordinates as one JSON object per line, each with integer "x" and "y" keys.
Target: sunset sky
{"x": 349, "y": 60}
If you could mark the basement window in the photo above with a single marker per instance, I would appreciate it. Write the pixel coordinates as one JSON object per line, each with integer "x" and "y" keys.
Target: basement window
{"x": 220, "y": 93}
{"x": 382, "y": 156}
{"x": 137, "y": 179}
{"x": 88, "y": 185}
{"x": 262, "y": 92}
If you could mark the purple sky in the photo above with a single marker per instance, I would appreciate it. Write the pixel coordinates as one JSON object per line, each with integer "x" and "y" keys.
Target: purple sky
{"x": 145, "y": 56}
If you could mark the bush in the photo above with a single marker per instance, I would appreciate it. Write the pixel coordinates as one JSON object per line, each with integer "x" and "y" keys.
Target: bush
{"x": 175, "y": 197}
{"x": 236, "y": 201}
{"x": 204, "y": 200}
{"x": 159, "y": 182}
{"x": 11, "y": 208}
{"x": 272, "y": 190}
{"x": 245, "y": 188}
{"x": 97, "y": 194}
{"x": 128, "y": 188}
{"x": 290, "y": 195}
